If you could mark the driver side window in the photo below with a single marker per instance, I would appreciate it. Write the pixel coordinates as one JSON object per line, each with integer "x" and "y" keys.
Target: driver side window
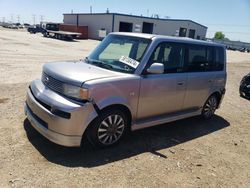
{"x": 171, "y": 55}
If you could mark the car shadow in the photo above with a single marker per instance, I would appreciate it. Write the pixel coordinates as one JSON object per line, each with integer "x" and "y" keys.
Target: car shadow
{"x": 146, "y": 140}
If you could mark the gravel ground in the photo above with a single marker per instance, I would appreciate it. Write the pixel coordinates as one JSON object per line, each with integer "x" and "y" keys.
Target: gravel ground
{"x": 186, "y": 153}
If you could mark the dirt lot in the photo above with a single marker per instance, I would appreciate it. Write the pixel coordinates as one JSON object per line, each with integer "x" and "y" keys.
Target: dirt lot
{"x": 187, "y": 153}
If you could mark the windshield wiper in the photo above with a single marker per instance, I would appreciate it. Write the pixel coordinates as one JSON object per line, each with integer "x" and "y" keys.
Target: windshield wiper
{"x": 99, "y": 63}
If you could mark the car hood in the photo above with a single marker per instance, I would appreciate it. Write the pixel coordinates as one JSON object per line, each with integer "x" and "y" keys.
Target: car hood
{"x": 76, "y": 73}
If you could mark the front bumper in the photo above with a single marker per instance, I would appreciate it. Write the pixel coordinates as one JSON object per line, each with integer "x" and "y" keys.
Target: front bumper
{"x": 41, "y": 103}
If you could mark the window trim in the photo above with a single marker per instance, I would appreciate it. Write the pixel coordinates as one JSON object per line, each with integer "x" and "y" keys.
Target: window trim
{"x": 186, "y": 47}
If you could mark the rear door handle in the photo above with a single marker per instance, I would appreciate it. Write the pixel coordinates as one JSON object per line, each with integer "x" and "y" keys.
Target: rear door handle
{"x": 180, "y": 83}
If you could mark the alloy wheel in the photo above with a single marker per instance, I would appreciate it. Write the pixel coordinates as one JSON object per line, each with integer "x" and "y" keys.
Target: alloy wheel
{"x": 111, "y": 129}
{"x": 210, "y": 107}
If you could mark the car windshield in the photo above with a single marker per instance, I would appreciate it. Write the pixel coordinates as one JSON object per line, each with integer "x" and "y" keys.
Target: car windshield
{"x": 119, "y": 53}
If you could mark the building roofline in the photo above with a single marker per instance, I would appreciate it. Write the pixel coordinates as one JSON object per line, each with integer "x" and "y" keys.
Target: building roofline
{"x": 135, "y": 16}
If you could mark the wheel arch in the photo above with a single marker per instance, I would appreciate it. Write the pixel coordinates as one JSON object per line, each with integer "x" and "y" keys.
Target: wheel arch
{"x": 116, "y": 102}
{"x": 121, "y": 107}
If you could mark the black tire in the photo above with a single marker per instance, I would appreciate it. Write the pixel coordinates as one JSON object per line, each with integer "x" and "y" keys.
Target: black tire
{"x": 209, "y": 107}
{"x": 108, "y": 129}
{"x": 59, "y": 37}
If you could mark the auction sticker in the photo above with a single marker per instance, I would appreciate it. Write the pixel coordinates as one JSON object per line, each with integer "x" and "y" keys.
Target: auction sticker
{"x": 128, "y": 61}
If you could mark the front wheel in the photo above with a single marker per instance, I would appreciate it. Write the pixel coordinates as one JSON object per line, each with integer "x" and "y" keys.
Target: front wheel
{"x": 209, "y": 107}
{"x": 108, "y": 128}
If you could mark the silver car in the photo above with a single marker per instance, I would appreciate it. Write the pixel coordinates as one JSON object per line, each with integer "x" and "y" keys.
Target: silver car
{"x": 129, "y": 82}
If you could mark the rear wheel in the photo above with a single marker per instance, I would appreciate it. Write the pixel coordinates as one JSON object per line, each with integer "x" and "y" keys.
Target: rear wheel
{"x": 108, "y": 129}
{"x": 209, "y": 107}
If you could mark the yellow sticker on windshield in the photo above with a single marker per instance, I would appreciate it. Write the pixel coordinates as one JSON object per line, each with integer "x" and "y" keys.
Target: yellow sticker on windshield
{"x": 128, "y": 61}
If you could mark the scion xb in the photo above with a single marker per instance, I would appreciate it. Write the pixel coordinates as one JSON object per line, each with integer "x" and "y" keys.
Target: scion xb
{"x": 129, "y": 82}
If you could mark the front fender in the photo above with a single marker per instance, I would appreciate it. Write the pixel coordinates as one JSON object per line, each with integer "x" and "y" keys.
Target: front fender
{"x": 112, "y": 100}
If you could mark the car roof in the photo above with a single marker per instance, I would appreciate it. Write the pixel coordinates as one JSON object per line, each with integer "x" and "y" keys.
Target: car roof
{"x": 169, "y": 38}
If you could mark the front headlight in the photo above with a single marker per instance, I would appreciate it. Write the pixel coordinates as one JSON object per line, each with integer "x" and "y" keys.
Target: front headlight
{"x": 76, "y": 92}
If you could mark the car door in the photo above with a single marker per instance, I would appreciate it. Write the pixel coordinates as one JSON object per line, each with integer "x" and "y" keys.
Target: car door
{"x": 162, "y": 94}
{"x": 200, "y": 78}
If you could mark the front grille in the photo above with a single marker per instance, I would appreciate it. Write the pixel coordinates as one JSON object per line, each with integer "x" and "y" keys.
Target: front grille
{"x": 57, "y": 112}
{"x": 52, "y": 83}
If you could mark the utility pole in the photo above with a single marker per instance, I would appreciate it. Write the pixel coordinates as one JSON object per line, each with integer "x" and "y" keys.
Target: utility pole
{"x": 90, "y": 9}
{"x": 34, "y": 19}
{"x": 11, "y": 18}
{"x": 3, "y": 19}
{"x": 18, "y": 18}
{"x": 41, "y": 18}
{"x": 147, "y": 13}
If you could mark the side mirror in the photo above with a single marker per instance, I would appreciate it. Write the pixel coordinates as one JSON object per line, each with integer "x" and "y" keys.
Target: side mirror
{"x": 156, "y": 68}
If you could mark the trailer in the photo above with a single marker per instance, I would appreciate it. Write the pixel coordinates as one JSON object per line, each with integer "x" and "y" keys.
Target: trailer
{"x": 61, "y": 35}
{"x": 53, "y": 30}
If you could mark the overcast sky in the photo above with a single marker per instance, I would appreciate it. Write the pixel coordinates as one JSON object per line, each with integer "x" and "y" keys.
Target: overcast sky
{"x": 229, "y": 16}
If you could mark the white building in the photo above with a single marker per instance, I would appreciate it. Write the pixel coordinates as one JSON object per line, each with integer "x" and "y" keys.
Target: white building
{"x": 113, "y": 22}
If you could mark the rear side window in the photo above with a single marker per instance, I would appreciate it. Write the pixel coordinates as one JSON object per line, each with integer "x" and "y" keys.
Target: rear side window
{"x": 200, "y": 58}
{"x": 219, "y": 59}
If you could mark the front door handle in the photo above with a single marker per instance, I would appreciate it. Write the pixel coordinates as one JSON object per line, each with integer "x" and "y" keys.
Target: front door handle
{"x": 180, "y": 83}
